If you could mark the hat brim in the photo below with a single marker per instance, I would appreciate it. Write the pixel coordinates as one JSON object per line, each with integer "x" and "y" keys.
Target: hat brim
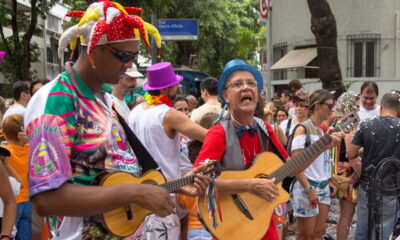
{"x": 134, "y": 74}
{"x": 297, "y": 99}
{"x": 178, "y": 79}
{"x": 4, "y": 152}
{"x": 225, "y": 75}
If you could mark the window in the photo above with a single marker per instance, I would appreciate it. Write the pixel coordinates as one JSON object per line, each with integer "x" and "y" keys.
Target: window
{"x": 363, "y": 55}
{"x": 279, "y": 51}
{"x": 53, "y": 23}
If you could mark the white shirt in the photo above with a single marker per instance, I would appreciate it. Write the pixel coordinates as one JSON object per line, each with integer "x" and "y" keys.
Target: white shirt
{"x": 364, "y": 113}
{"x": 284, "y": 124}
{"x": 320, "y": 169}
{"x": 199, "y": 112}
{"x": 147, "y": 125}
{"x": 121, "y": 107}
{"x": 15, "y": 109}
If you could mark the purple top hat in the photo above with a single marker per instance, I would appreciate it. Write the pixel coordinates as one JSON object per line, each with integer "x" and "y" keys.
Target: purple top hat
{"x": 161, "y": 75}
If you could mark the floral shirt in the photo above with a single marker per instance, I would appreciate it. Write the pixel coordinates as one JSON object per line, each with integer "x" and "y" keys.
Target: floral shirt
{"x": 73, "y": 137}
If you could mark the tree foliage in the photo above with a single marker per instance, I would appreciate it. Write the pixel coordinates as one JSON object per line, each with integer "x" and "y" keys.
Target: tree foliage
{"x": 23, "y": 22}
{"x": 228, "y": 29}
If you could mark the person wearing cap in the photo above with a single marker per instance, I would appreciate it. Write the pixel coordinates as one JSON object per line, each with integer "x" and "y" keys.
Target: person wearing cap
{"x": 75, "y": 133}
{"x": 158, "y": 126}
{"x": 8, "y": 205}
{"x": 238, "y": 138}
{"x": 300, "y": 107}
{"x": 126, "y": 84}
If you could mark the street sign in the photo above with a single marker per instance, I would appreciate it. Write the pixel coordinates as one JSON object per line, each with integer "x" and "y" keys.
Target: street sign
{"x": 178, "y": 29}
{"x": 264, "y": 8}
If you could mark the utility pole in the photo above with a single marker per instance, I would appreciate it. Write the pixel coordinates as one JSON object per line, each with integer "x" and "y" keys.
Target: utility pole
{"x": 269, "y": 52}
{"x": 153, "y": 42}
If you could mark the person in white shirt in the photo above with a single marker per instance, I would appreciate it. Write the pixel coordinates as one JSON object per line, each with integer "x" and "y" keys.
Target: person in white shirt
{"x": 368, "y": 95}
{"x": 126, "y": 83}
{"x": 209, "y": 93}
{"x": 22, "y": 95}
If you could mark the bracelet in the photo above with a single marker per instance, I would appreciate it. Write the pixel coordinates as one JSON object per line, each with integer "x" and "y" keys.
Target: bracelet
{"x": 307, "y": 190}
{"x": 9, "y": 236}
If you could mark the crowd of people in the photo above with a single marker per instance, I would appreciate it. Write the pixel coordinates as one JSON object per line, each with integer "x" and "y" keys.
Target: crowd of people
{"x": 59, "y": 136}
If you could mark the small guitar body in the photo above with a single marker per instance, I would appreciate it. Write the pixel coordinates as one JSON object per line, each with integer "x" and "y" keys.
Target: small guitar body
{"x": 235, "y": 224}
{"x": 123, "y": 222}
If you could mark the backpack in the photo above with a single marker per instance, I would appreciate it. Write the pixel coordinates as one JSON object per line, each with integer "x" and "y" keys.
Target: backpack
{"x": 288, "y": 181}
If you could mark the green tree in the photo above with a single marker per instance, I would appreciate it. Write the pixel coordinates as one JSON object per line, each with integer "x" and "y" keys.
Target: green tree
{"x": 21, "y": 52}
{"x": 228, "y": 29}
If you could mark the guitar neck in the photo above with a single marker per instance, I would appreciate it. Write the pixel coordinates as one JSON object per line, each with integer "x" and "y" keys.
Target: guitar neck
{"x": 178, "y": 183}
{"x": 300, "y": 159}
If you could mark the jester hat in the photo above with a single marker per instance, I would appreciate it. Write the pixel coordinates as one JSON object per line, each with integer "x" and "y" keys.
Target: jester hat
{"x": 107, "y": 22}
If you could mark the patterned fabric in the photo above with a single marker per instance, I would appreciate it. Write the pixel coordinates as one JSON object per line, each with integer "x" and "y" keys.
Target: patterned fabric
{"x": 73, "y": 136}
{"x": 301, "y": 204}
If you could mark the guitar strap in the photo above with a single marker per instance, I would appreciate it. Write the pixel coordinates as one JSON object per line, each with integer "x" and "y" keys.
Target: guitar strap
{"x": 146, "y": 161}
{"x": 261, "y": 124}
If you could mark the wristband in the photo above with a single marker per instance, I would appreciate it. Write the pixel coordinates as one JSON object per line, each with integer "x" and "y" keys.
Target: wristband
{"x": 9, "y": 236}
{"x": 307, "y": 190}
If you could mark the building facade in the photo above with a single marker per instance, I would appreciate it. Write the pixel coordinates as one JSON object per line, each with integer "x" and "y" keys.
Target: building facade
{"x": 368, "y": 41}
{"x": 47, "y": 39}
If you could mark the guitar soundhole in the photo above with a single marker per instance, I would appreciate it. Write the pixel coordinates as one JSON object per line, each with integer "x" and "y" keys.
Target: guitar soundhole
{"x": 149, "y": 181}
{"x": 262, "y": 176}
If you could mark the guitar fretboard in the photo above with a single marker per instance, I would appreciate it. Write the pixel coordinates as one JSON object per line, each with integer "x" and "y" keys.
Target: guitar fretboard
{"x": 178, "y": 183}
{"x": 289, "y": 167}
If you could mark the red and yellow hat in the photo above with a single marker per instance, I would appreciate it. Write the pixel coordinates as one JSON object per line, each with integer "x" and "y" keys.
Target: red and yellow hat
{"x": 107, "y": 22}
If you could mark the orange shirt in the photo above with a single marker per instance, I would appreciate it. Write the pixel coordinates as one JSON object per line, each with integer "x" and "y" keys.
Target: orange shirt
{"x": 19, "y": 160}
{"x": 190, "y": 203}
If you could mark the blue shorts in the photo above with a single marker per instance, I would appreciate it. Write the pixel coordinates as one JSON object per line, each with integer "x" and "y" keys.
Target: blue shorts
{"x": 301, "y": 203}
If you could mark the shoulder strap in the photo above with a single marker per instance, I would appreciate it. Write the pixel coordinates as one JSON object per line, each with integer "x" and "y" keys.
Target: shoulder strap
{"x": 146, "y": 161}
{"x": 263, "y": 127}
{"x": 290, "y": 139}
{"x": 289, "y": 123}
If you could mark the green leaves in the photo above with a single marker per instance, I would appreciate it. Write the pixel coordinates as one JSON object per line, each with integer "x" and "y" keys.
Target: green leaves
{"x": 228, "y": 29}
{"x": 21, "y": 52}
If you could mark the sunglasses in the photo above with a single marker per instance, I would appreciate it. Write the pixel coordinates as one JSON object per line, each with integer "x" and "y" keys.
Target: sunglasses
{"x": 329, "y": 105}
{"x": 123, "y": 56}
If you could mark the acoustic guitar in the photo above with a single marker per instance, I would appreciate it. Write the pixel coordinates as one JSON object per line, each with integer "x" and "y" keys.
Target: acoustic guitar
{"x": 247, "y": 216}
{"x": 123, "y": 222}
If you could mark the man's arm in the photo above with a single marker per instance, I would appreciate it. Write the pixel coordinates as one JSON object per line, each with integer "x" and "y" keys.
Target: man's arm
{"x": 352, "y": 149}
{"x": 82, "y": 201}
{"x": 178, "y": 121}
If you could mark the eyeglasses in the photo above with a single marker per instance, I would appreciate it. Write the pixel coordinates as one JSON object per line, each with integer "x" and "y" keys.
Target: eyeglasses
{"x": 240, "y": 84}
{"x": 123, "y": 56}
{"x": 329, "y": 105}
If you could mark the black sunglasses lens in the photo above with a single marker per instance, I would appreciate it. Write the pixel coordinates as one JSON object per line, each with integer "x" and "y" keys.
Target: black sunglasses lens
{"x": 126, "y": 56}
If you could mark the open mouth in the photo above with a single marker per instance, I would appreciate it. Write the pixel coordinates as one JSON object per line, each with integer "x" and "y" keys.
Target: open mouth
{"x": 246, "y": 99}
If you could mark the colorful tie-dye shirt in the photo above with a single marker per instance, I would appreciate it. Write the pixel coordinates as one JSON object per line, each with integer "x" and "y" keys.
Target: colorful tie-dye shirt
{"x": 73, "y": 136}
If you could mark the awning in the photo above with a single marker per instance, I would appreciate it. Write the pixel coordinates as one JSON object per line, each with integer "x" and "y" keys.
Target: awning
{"x": 296, "y": 58}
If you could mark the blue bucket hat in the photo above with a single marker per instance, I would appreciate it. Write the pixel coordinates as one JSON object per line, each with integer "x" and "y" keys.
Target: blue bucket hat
{"x": 237, "y": 65}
